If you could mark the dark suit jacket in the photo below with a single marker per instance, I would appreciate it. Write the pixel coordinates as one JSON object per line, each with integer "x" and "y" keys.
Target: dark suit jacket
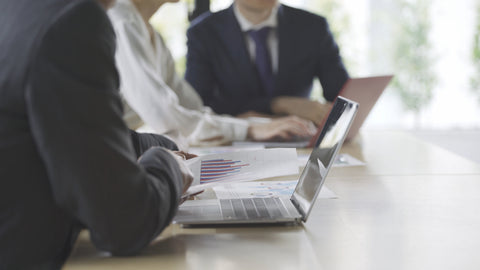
{"x": 67, "y": 160}
{"x": 220, "y": 69}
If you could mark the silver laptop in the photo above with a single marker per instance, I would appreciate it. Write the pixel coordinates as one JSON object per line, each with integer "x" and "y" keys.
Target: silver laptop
{"x": 292, "y": 210}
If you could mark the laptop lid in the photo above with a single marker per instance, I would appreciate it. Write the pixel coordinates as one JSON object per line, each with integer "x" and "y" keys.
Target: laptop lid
{"x": 323, "y": 155}
{"x": 365, "y": 91}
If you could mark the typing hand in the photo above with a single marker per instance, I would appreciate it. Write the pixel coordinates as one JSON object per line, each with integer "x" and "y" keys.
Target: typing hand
{"x": 302, "y": 107}
{"x": 284, "y": 128}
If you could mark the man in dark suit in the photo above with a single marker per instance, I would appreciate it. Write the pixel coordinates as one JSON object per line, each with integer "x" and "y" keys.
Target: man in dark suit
{"x": 224, "y": 62}
{"x": 67, "y": 160}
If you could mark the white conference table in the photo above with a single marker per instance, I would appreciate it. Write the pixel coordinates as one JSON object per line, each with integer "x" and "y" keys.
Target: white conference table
{"x": 413, "y": 206}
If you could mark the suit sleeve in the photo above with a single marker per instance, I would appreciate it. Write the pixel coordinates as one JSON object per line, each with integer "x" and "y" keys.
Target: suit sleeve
{"x": 75, "y": 117}
{"x": 330, "y": 69}
{"x": 144, "y": 141}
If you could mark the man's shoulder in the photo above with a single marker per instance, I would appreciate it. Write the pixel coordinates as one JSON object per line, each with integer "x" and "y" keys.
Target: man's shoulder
{"x": 53, "y": 10}
{"x": 300, "y": 15}
{"x": 35, "y": 21}
{"x": 63, "y": 16}
{"x": 85, "y": 12}
{"x": 210, "y": 19}
{"x": 41, "y": 15}
{"x": 81, "y": 41}
{"x": 80, "y": 25}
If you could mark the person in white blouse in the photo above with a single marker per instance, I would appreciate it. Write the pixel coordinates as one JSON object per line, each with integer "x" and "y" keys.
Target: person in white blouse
{"x": 154, "y": 93}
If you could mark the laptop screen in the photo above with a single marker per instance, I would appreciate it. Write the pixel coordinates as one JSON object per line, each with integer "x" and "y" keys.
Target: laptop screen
{"x": 323, "y": 155}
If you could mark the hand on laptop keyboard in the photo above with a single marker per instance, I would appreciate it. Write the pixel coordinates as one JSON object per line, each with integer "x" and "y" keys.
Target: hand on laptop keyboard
{"x": 302, "y": 107}
{"x": 284, "y": 128}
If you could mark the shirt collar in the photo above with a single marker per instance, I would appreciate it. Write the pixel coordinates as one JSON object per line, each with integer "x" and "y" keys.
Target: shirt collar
{"x": 246, "y": 25}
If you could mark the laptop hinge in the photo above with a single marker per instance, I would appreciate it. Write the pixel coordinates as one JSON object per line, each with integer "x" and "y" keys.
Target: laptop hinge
{"x": 297, "y": 206}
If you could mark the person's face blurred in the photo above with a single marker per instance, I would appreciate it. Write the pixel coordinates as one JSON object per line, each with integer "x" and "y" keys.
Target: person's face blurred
{"x": 106, "y": 3}
{"x": 256, "y": 5}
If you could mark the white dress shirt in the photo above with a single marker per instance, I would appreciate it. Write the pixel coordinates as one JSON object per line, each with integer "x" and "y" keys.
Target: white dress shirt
{"x": 153, "y": 90}
{"x": 272, "y": 39}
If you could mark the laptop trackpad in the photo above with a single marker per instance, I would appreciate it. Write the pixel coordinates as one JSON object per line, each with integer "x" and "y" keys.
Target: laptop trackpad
{"x": 199, "y": 210}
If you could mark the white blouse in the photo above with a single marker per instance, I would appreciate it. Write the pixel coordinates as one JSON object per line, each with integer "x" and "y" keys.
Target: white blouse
{"x": 152, "y": 89}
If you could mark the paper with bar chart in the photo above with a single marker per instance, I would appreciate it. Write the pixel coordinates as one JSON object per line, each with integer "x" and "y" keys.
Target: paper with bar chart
{"x": 248, "y": 165}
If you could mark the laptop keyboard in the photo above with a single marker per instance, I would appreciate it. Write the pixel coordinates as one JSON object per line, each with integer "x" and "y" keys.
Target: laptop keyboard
{"x": 253, "y": 208}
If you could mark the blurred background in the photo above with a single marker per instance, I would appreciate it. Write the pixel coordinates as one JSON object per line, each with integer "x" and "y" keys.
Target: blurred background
{"x": 432, "y": 47}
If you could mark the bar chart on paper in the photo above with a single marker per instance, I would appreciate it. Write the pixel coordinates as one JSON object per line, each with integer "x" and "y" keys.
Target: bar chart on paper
{"x": 214, "y": 170}
{"x": 238, "y": 166}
